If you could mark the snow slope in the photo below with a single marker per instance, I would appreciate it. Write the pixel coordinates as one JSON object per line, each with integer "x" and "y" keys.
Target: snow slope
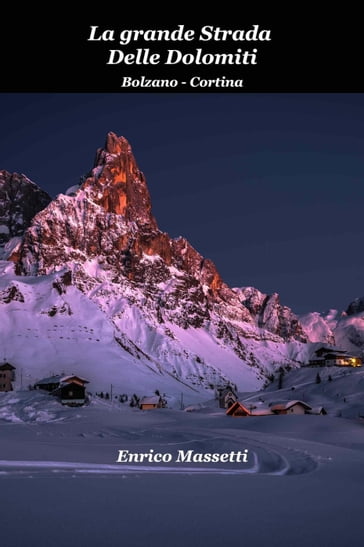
{"x": 44, "y": 332}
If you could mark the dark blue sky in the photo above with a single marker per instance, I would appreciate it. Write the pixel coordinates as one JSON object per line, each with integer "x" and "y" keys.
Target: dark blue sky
{"x": 269, "y": 186}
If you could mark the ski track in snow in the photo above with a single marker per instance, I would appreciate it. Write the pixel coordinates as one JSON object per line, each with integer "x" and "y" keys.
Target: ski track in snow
{"x": 262, "y": 460}
{"x": 43, "y": 467}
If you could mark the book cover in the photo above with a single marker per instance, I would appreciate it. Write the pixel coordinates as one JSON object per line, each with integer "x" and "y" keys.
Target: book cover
{"x": 181, "y": 282}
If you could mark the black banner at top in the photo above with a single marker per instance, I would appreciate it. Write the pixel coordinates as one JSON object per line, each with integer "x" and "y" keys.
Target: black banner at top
{"x": 246, "y": 54}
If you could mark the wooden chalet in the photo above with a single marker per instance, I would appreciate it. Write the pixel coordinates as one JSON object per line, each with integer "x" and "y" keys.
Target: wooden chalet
{"x": 331, "y": 356}
{"x": 70, "y": 390}
{"x": 149, "y": 403}
{"x": 226, "y": 396}
{"x": 71, "y": 393}
{"x": 7, "y": 376}
{"x": 238, "y": 410}
{"x": 291, "y": 407}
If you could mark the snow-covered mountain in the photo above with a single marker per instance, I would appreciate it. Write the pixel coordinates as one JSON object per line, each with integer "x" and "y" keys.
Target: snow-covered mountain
{"x": 94, "y": 287}
{"x": 268, "y": 313}
{"x": 319, "y": 327}
{"x": 344, "y": 329}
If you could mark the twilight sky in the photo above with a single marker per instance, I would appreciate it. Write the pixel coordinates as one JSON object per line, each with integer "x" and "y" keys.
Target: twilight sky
{"x": 269, "y": 186}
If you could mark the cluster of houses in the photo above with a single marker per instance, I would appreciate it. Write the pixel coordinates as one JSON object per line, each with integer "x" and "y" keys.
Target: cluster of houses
{"x": 327, "y": 356}
{"x": 239, "y": 409}
{"x": 69, "y": 390}
{"x": 228, "y": 400}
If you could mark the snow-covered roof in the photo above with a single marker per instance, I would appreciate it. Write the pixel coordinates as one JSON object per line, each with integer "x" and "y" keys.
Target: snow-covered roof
{"x": 152, "y": 400}
{"x": 332, "y": 349}
{"x": 6, "y": 366}
{"x": 71, "y": 376}
{"x": 266, "y": 411}
{"x": 57, "y": 379}
{"x": 289, "y": 404}
{"x": 235, "y": 406}
{"x": 49, "y": 380}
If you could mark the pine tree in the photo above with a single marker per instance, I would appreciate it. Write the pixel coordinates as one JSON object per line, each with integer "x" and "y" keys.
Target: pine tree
{"x": 134, "y": 400}
{"x": 280, "y": 379}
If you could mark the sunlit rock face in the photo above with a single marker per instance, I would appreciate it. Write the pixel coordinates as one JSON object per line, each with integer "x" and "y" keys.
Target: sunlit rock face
{"x": 117, "y": 185}
{"x": 109, "y": 219}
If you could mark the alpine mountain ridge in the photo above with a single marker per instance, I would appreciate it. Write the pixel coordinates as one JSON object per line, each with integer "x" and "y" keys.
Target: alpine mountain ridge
{"x": 94, "y": 287}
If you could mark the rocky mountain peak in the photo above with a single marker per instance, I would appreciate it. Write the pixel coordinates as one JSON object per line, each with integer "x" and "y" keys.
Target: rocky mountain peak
{"x": 20, "y": 200}
{"x": 357, "y": 306}
{"x": 117, "y": 185}
{"x": 116, "y": 145}
{"x": 270, "y": 314}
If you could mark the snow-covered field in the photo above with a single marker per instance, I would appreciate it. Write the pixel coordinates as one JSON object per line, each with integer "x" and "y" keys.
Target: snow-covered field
{"x": 302, "y": 482}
